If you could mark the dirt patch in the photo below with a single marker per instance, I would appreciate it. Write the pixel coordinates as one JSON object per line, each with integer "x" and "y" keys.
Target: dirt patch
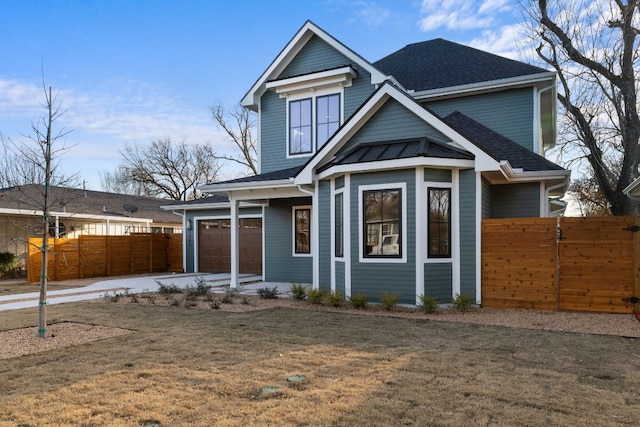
{"x": 18, "y": 342}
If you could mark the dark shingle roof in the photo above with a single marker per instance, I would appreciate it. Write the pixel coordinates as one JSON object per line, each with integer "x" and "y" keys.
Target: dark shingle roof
{"x": 440, "y": 63}
{"x": 269, "y": 176}
{"x": 399, "y": 149}
{"x": 78, "y": 201}
{"x": 498, "y": 146}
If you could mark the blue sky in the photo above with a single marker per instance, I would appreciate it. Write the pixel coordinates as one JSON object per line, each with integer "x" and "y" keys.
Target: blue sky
{"x": 134, "y": 71}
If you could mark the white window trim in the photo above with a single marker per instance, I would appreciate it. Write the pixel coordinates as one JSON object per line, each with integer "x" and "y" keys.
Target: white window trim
{"x": 402, "y": 186}
{"x": 293, "y": 230}
{"x": 313, "y": 95}
{"x": 333, "y": 223}
{"x": 454, "y": 218}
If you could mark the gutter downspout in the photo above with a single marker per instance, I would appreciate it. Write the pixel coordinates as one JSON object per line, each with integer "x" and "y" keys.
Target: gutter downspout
{"x": 314, "y": 233}
{"x": 547, "y": 192}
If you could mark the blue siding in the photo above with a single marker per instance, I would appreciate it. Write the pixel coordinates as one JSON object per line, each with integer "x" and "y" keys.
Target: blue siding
{"x": 340, "y": 271}
{"x": 515, "y": 200}
{"x": 280, "y": 264}
{"x": 315, "y": 56}
{"x": 487, "y": 204}
{"x": 325, "y": 249}
{"x": 438, "y": 281}
{"x": 510, "y": 113}
{"x": 393, "y": 121}
{"x": 373, "y": 279}
{"x": 437, "y": 175}
{"x": 468, "y": 232}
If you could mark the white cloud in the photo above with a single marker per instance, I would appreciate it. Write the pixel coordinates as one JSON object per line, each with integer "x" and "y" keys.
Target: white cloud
{"x": 503, "y": 41}
{"x": 460, "y": 14}
{"x": 372, "y": 14}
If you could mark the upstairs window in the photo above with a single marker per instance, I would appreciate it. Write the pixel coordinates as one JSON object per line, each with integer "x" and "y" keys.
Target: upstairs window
{"x": 327, "y": 117}
{"x": 312, "y": 121}
{"x": 300, "y": 138}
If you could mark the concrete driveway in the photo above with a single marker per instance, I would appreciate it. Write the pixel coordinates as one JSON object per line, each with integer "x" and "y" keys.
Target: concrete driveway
{"x": 249, "y": 284}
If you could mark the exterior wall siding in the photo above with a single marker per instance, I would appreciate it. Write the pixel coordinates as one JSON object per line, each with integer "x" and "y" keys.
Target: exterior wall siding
{"x": 315, "y": 56}
{"x": 280, "y": 264}
{"x": 324, "y": 218}
{"x": 468, "y": 232}
{"x": 340, "y": 267}
{"x": 438, "y": 280}
{"x": 487, "y": 204}
{"x": 392, "y": 122}
{"x": 374, "y": 278}
{"x": 510, "y": 113}
{"x": 515, "y": 200}
{"x": 437, "y": 175}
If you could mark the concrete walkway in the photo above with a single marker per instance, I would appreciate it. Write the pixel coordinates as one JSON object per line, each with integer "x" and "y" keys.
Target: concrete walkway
{"x": 249, "y": 285}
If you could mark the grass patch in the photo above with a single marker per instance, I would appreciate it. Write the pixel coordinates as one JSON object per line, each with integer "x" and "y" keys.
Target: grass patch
{"x": 181, "y": 365}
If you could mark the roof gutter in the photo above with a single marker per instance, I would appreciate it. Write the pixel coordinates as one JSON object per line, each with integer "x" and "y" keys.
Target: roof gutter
{"x": 518, "y": 175}
{"x": 487, "y": 85}
{"x": 34, "y": 212}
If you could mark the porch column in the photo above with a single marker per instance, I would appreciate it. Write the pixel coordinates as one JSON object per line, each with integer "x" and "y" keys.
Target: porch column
{"x": 235, "y": 252}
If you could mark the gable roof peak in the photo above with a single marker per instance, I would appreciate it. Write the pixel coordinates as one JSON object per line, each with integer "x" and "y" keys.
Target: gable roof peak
{"x": 289, "y": 52}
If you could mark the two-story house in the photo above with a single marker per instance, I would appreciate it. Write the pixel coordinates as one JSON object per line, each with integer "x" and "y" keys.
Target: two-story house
{"x": 375, "y": 176}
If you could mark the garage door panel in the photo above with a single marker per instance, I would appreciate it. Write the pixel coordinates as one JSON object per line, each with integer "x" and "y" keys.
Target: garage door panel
{"x": 214, "y": 246}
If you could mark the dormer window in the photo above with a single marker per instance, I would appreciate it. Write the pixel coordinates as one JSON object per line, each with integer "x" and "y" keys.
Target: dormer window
{"x": 314, "y": 107}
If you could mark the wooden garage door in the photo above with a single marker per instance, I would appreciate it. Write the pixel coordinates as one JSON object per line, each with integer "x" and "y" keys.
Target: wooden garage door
{"x": 214, "y": 246}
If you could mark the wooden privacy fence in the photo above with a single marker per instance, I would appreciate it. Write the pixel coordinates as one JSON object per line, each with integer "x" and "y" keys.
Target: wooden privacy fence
{"x": 100, "y": 256}
{"x": 575, "y": 264}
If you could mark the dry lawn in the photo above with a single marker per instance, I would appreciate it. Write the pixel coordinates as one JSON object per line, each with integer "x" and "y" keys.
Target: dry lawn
{"x": 204, "y": 367}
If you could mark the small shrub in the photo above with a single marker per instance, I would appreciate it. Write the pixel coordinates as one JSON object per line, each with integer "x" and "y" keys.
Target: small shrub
{"x": 173, "y": 301}
{"x": 200, "y": 289}
{"x": 428, "y": 304}
{"x": 315, "y": 296}
{"x": 268, "y": 293}
{"x": 214, "y": 304}
{"x": 112, "y": 298}
{"x": 388, "y": 301}
{"x": 463, "y": 302}
{"x": 298, "y": 292}
{"x": 134, "y": 298}
{"x": 227, "y": 298}
{"x": 335, "y": 299}
{"x": 244, "y": 300}
{"x": 359, "y": 301}
{"x": 168, "y": 289}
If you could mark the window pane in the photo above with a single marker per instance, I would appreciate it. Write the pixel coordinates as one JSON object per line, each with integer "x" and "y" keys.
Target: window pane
{"x": 300, "y": 126}
{"x": 439, "y": 222}
{"x": 382, "y": 222}
{"x": 302, "y": 230}
{"x": 339, "y": 235}
{"x": 327, "y": 117}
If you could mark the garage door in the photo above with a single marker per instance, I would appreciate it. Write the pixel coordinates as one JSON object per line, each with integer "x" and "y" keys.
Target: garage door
{"x": 214, "y": 246}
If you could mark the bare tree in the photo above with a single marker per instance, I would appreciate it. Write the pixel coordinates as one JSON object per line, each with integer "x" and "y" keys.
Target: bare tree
{"x": 238, "y": 123}
{"x": 119, "y": 182}
{"x": 589, "y": 198}
{"x": 593, "y": 47}
{"x": 165, "y": 169}
{"x": 37, "y": 161}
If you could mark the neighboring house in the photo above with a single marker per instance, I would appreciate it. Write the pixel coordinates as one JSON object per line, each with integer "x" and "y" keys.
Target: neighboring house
{"x": 75, "y": 212}
{"x": 375, "y": 176}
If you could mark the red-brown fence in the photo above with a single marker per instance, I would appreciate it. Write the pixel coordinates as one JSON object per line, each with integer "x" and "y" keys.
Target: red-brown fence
{"x": 577, "y": 264}
{"x": 100, "y": 256}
